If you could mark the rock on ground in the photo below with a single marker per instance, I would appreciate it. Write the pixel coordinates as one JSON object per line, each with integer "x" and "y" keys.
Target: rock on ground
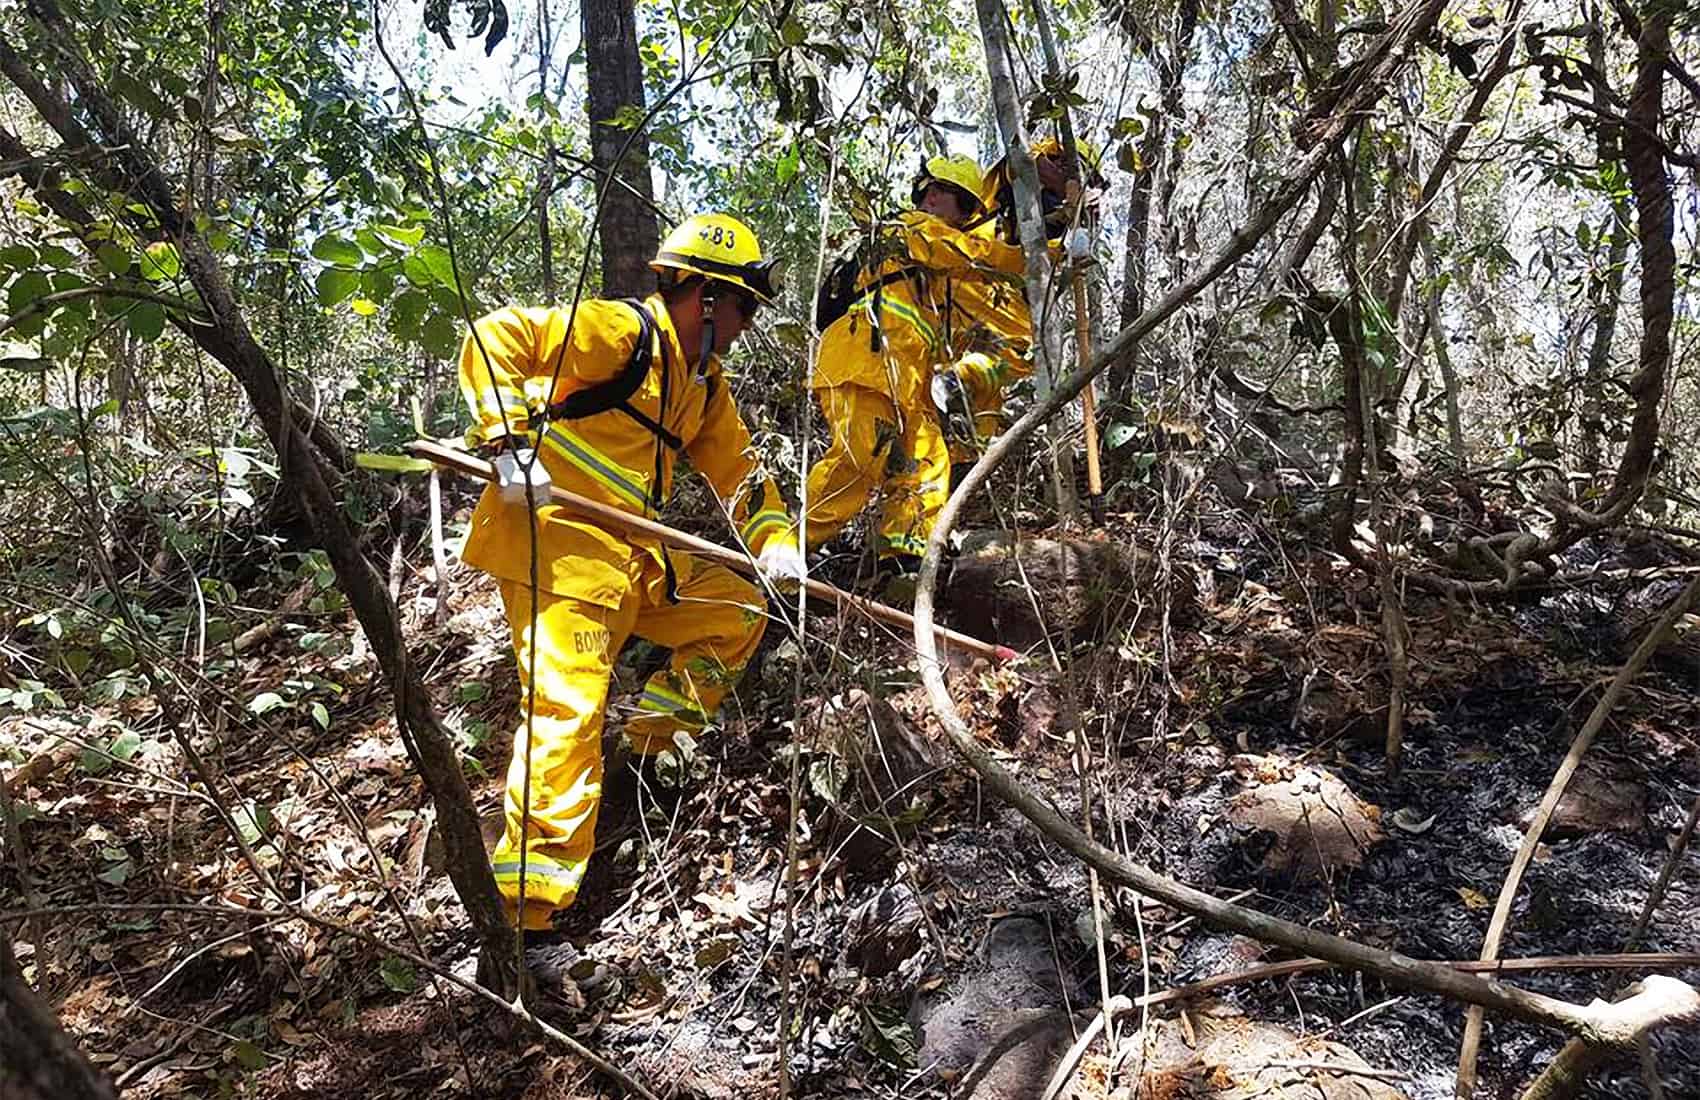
{"x": 1013, "y": 591}
{"x": 1318, "y": 825}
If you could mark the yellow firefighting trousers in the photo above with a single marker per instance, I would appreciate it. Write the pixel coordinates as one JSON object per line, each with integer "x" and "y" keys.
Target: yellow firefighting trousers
{"x": 713, "y": 630}
{"x": 874, "y": 448}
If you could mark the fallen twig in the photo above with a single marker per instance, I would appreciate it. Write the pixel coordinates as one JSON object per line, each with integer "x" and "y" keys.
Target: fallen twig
{"x": 1290, "y": 967}
{"x": 1345, "y": 1070}
{"x": 1652, "y": 1004}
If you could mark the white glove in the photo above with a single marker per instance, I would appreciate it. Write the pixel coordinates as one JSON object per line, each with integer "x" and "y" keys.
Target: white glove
{"x": 519, "y": 471}
{"x": 782, "y": 564}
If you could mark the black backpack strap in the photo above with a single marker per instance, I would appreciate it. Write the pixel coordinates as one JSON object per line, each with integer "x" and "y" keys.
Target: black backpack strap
{"x": 616, "y": 391}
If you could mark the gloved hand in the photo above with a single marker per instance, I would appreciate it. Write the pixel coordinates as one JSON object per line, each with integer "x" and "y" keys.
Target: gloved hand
{"x": 956, "y": 414}
{"x": 520, "y": 470}
{"x": 782, "y": 564}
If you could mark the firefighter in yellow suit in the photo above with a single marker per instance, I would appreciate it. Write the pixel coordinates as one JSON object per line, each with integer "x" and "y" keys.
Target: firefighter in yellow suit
{"x": 875, "y": 371}
{"x": 991, "y": 320}
{"x": 581, "y": 399}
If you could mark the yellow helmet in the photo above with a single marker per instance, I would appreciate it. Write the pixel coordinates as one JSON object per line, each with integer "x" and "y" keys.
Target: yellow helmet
{"x": 961, "y": 174}
{"x": 1085, "y": 150}
{"x": 720, "y": 248}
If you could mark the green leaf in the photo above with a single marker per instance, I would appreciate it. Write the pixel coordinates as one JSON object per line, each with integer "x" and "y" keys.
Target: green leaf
{"x": 333, "y": 248}
{"x": 439, "y": 334}
{"x": 248, "y": 1055}
{"x": 253, "y": 820}
{"x": 92, "y": 762}
{"x": 16, "y": 257}
{"x": 437, "y": 261}
{"x": 1119, "y": 435}
{"x": 407, "y": 311}
{"x": 322, "y": 715}
{"x": 125, "y": 745}
{"x": 887, "y": 1035}
{"x": 398, "y": 974}
{"x": 118, "y": 873}
{"x": 401, "y": 236}
{"x": 363, "y": 307}
{"x": 26, "y": 288}
{"x": 334, "y": 284}
{"x": 114, "y": 258}
{"x": 160, "y": 261}
{"x": 146, "y": 321}
{"x": 265, "y": 701}
{"x": 418, "y": 272}
{"x": 392, "y": 464}
{"x": 472, "y": 691}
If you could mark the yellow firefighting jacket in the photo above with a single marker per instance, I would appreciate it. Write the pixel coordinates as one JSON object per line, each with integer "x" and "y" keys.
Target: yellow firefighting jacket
{"x": 610, "y": 456}
{"x": 894, "y": 349}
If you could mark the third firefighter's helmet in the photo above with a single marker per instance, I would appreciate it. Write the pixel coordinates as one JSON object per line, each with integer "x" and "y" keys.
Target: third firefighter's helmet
{"x": 960, "y": 174}
{"x": 718, "y": 247}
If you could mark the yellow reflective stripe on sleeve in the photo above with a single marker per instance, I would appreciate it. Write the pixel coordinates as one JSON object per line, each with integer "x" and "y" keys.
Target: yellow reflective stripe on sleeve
{"x": 599, "y": 466}
{"x": 760, "y": 522}
{"x": 913, "y": 316}
{"x": 659, "y": 700}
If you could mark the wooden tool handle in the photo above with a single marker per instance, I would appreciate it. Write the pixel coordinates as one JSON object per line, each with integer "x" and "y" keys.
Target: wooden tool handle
{"x": 614, "y": 518}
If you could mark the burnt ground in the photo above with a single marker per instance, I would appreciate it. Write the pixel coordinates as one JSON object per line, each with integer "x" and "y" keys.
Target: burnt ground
{"x": 685, "y": 903}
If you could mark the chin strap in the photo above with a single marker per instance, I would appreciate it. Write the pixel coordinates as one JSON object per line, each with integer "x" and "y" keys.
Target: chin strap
{"x": 707, "y": 332}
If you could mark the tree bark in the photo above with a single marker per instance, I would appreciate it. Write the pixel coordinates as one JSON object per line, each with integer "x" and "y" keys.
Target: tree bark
{"x": 1605, "y": 288}
{"x": 1171, "y": 68}
{"x": 1024, "y": 183}
{"x": 1443, "y": 356}
{"x": 300, "y": 471}
{"x": 627, "y": 230}
{"x": 38, "y": 1061}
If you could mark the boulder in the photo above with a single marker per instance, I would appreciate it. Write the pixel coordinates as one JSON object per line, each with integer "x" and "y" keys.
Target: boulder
{"x": 1316, "y": 823}
{"x": 1012, "y": 590}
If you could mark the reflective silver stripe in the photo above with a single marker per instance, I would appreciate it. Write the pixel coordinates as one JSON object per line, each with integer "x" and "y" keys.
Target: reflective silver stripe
{"x": 539, "y": 867}
{"x": 598, "y": 466}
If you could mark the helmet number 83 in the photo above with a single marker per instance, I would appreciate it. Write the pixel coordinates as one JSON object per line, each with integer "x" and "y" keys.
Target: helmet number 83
{"x": 719, "y": 235}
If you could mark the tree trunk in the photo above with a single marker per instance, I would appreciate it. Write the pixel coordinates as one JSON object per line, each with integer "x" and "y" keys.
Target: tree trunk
{"x": 1443, "y": 356}
{"x": 38, "y": 1061}
{"x": 1024, "y": 181}
{"x": 627, "y": 230}
{"x": 1152, "y": 152}
{"x": 1606, "y": 289}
